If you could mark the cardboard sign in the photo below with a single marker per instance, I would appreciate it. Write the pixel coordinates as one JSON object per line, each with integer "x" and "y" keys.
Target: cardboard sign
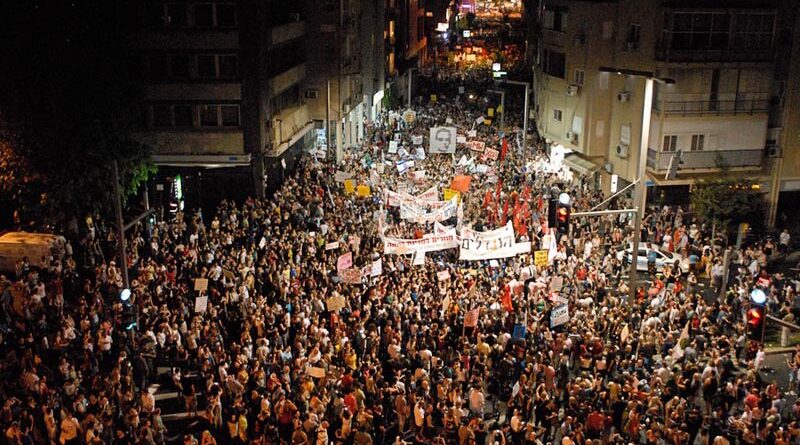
{"x": 490, "y": 154}
{"x": 443, "y": 275}
{"x": 461, "y": 183}
{"x": 446, "y": 304}
{"x": 450, "y": 194}
{"x": 559, "y": 315}
{"x": 315, "y": 372}
{"x": 540, "y": 258}
{"x": 349, "y": 186}
{"x": 363, "y": 191}
{"x": 201, "y": 304}
{"x": 556, "y": 284}
{"x": 341, "y": 176}
{"x": 336, "y": 303}
{"x": 377, "y": 268}
{"x": 442, "y": 140}
{"x": 351, "y": 276}
{"x": 392, "y": 147}
{"x": 417, "y": 140}
{"x": 471, "y": 318}
{"x": 461, "y": 139}
{"x": 472, "y": 133}
{"x": 201, "y": 284}
{"x": 478, "y": 146}
{"x": 344, "y": 261}
{"x": 331, "y": 246}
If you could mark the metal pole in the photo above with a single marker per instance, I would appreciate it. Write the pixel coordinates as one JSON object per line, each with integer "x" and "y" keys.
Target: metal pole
{"x": 328, "y": 115}
{"x": 409, "y": 87}
{"x": 602, "y": 212}
{"x": 123, "y": 260}
{"x": 503, "y": 114}
{"x": 640, "y": 192}
{"x": 525, "y": 117}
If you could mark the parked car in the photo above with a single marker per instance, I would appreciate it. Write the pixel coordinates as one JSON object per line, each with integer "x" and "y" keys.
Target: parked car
{"x": 662, "y": 257}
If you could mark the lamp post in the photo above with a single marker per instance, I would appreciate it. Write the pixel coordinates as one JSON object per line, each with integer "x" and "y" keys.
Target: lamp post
{"x": 525, "y": 112}
{"x": 502, "y": 107}
{"x": 640, "y": 190}
{"x": 409, "y": 84}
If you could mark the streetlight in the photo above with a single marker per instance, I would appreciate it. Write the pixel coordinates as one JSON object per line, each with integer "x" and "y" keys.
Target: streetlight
{"x": 408, "y": 71}
{"x": 640, "y": 190}
{"x": 502, "y": 107}
{"x": 527, "y": 86}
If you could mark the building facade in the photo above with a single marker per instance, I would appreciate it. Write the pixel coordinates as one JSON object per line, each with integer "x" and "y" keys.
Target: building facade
{"x": 722, "y": 111}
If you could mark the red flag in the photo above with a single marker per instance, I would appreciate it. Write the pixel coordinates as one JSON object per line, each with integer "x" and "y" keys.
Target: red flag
{"x": 487, "y": 198}
{"x": 505, "y": 212}
{"x": 506, "y": 300}
{"x": 526, "y": 193}
{"x": 498, "y": 188}
{"x": 504, "y": 150}
{"x": 540, "y": 203}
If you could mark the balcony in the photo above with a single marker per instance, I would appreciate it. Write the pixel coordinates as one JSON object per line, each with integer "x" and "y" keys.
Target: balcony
{"x": 286, "y": 79}
{"x": 658, "y": 161}
{"x": 681, "y": 105}
{"x": 287, "y": 32}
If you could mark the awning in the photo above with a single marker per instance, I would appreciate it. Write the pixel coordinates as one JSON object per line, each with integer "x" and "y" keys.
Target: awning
{"x": 581, "y": 164}
{"x": 205, "y": 161}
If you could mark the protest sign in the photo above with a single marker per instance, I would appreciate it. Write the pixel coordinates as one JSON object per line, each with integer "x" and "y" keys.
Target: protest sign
{"x": 351, "y": 276}
{"x": 471, "y": 318}
{"x": 392, "y": 147}
{"x": 341, "y": 176}
{"x": 540, "y": 258}
{"x": 559, "y": 315}
{"x": 442, "y": 140}
{"x": 450, "y": 194}
{"x": 349, "y": 186}
{"x": 490, "y": 154}
{"x": 429, "y": 243}
{"x": 417, "y": 140}
{"x": 472, "y": 133}
{"x": 201, "y": 284}
{"x": 201, "y": 304}
{"x": 519, "y": 331}
{"x": 344, "y": 261}
{"x": 442, "y": 275}
{"x": 461, "y": 183}
{"x": 315, "y": 372}
{"x": 478, "y": 146}
{"x": 331, "y": 246}
{"x": 363, "y": 191}
{"x": 333, "y": 304}
{"x": 490, "y": 245}
{"x": 377, "y": 268}
{"x": 461, "y": 139}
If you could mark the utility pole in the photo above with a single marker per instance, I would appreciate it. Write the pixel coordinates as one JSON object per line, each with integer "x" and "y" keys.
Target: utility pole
{"x": 410, "y": 79}
{"x": 123, "y": 259}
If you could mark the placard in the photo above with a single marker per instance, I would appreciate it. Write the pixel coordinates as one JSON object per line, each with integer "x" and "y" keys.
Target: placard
{"x": 443, "y": 275}
{"x": 471, "y": 318}
{"x": 377, "y": 268}
{"x": 315, "y": 372}
{"x": 461, "y": 183}
{"x": 349, "y": 186}
{"x": 417, "y": 140}
{"x": 363, "y": 191}
{"x": 519, "y": 331}
{"x": 392, "y": 147}
{"x": 331, "y": 246}
{"x": 351, "y": 276}
{"x": 341, "y": 176}
{"x": 559, "y": 315}
{"x": 478, "y": 146}
{"x": 442, "y": 140}
{"x": 540, "y": 258}
{"x": 450, "y": 193}
{"x": 556, "y": 283}
{"x": 490, "y": 154}
{"x": 344, "y": 261}
{"x": 201, "y": 284}
{"x": 201, "y": 304}
{"x": 472, "y": 133}
{"x": 336, "y": 303}
{"x": 461, "y": 139}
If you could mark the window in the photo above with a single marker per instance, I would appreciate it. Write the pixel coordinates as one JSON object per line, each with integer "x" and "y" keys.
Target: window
{"x": 753, "y": 31}
{"x": 226, "y": 15}
{"x": 176, "y": 15}
{"x": 158, "y": 66}
{"x": 579, "y": 77}
{"x": 634, "y": 34}
{"x": 554, "y": 64}
{"x": 204, "y": 15}
{"x": 555, "y": 19}
{"x": 230, "y": 115}
{"x": 670, "y": 143}
{"x": 700, "y": 30}
{"x": 183, "y": 115}
{"x": 206, "y": 66}
{"x": 161, "y": 116}
{"x": 698, "y": 141}
{"x": 228, "y": 66}
{"x": 208, "y": 116}
{"x": 557, "y": 115}
{"x": 179, "y": 65}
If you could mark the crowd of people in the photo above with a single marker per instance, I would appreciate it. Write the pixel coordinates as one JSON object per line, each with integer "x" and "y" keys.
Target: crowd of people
{"x": 259, "y": 353}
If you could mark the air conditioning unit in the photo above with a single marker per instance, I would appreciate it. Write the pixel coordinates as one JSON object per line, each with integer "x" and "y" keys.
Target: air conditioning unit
{"x": 622, "y": 150}
{"x": 312, "y": 94}
{"x": 572, "y": 90}
{"x": 572, "y": 137}
{"x": 624, "y": 96}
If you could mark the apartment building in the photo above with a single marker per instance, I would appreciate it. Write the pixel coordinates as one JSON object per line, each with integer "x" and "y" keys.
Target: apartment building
{"x": 223, "y": 86}
{"x": 723, "y": 108}
{"x": 346, "y": 79}
{"x": 406, "y": 42}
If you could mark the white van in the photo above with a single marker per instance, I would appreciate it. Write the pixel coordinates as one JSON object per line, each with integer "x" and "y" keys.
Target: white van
{"x": 40, "y": 248}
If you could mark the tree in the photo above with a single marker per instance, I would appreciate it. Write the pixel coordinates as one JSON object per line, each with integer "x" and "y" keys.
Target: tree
{"x": 724, "y": 202}
{"x": 68, "y": 107}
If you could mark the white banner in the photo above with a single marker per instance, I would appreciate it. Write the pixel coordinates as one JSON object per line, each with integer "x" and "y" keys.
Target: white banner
{"x": 490, "y": 245}
{"x": 429, "y": 243}
{"x": 421, "y": 215}
{"x": 443, "y": 140}
{"x": 429, "y": 198}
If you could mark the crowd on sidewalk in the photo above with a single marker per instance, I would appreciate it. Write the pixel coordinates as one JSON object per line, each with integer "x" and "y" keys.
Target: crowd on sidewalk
{"x": 282, "y": 347}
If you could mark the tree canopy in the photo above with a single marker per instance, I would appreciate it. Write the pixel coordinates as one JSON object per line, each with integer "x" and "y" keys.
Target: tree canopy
{"x": 67, "y": 108}
{"x": 727, "y": 201}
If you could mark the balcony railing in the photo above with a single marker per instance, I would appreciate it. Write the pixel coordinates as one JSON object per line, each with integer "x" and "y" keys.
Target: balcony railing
{"x": 658, "y": 161}
{"x": 711, "y": 107}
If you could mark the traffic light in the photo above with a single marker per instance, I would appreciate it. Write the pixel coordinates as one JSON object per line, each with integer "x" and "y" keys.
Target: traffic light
{"x": 563, "y": 212}
{"x": 756, "y": 321}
